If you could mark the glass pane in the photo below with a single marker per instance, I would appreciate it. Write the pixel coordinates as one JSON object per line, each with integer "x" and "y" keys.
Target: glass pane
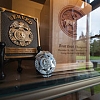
{"x": 95, "y": 38}
{"x": 72, "y": 54}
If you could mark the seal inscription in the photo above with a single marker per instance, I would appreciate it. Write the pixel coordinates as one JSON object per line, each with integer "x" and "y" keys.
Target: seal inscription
{"x": 67, "y": 19}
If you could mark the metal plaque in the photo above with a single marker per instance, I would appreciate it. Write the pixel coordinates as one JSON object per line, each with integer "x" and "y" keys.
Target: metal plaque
{"x": 20, "y": 34}
{"x": 45, "y": 63}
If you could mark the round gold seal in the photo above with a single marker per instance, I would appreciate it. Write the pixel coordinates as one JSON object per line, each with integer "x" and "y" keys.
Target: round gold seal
{"x": 68, "y": 20}
{"x": 20, "y": 33}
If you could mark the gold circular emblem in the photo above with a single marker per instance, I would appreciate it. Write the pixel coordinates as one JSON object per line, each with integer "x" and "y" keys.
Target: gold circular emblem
{"x": 20, "y": 33}
{"x": 68, "y": 20}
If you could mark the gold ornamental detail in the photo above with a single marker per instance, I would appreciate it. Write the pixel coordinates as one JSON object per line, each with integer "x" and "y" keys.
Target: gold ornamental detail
{"x": 20, "y": 33}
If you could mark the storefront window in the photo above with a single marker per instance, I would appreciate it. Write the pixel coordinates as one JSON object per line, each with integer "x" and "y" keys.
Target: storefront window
{"x": 80, "y": 52}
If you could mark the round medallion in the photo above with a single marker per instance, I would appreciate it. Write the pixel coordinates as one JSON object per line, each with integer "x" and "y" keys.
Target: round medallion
{"x": 45, "y": 63}
{"x": 20, "y": 33}
{"x": 68, "y": 20}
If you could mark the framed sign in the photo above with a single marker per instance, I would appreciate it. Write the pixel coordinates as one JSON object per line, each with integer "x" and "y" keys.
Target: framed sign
{"x": 20, "y": 34}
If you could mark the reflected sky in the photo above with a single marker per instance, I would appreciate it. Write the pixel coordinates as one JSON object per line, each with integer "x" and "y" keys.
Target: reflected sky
{"x": 91, "y": 1}
{"x": 94, "y": 23}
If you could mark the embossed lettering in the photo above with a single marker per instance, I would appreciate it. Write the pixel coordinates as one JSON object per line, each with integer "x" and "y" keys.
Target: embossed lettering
{"x": 17, "y": 16}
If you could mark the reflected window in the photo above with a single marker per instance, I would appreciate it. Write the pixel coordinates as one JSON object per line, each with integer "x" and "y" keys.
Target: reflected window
{"x": 95, "y": 38}
{"x": 95, "y": 22}
{"x": 81, "y": 27}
